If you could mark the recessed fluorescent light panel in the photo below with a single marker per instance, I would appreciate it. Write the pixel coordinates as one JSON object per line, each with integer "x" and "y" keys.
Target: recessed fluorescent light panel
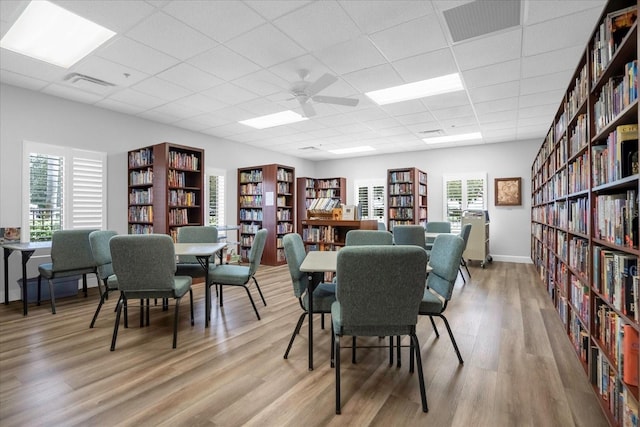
{"x": 350, "y": 150}
{"x": 47, "y": 32}
{"x": 453, "y": 138}
{"x": 271, "y": 120}
{"x": 421, "y": 89}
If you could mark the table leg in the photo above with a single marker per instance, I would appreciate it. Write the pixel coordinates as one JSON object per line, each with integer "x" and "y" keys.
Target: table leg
{"x": 7, "y": 252}
{"x": 25, "y": 300}
{"x": 310, "y": 287}
{"x": 207, "y": 293}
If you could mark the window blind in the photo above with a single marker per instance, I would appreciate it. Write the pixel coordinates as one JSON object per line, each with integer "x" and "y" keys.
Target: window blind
{"x": 87, "y": 193}
{"x": 462, "y": 193}
{"x": 46, "y": 195}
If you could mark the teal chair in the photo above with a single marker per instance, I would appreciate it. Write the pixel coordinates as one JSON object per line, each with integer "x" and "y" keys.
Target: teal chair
{"x": 445, "y": 262}
{"x": 188, "y": 265}
{"x": 465, "y": 231}
{"x": 99, "y": 242}
{"x": 368, "y": 237}
{"x": 436, "y": 227}
{"x": 391, "y": 281}
{"x": 323, "y": 295}
{"x": 70, "y": 256}
{"x": 382, "y": 226}
{"x": 409, "y": 235}
{"x": 145, "y": 265}
{"x": 240, "y": 275}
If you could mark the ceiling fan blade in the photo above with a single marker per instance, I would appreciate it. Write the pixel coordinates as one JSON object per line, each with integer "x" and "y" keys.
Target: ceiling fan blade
{"x": 351, "y": 102}
{"x": 324, "y": 81}
{"x": 308, "y": 109}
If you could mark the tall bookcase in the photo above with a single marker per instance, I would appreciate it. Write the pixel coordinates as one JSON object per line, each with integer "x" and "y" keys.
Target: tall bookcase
{"x": 165, "y": 188}
{"x": 266, "y": 199}
{"x": 584, "y": 219}
{"x": 406, "y": 197}
{"x": 308, "y": 189}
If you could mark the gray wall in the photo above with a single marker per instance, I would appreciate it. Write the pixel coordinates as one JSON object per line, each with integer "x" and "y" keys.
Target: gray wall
{"x": 29, "y": 116}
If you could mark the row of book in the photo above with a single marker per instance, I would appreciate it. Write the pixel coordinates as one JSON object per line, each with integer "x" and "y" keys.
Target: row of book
{"x": 400, "y": 201}
{"x": 578, "y": 215}
{"x": 616, "y": 218}
{"x": 141, "y": 197}
{"x": 251, "y": 176}
{"x": 182, "y": 198}
{"x": 323, "y": 204}
{"x": 330, "y": 183}
{"x": 622, "y": 405}
{"x": 176, "y": 179}
{"x": 401, "y": 213}
{"x": 607, "y": 39}
{"x": 141, "y": 177}
{"x": 579, "y": 93}
{"x": 141, "y": 158}
{"x": 405, "y": 188}
{"x": 251, "y": 188}
{"x": 616, "y": 95}
{"x": 249, "y": 228}
{"x": 283, "y": 201}
{"x": 578, "y": 174}
{"x": 140, "y": 229}
{"x": 618, "y": 158}
{"x": 615, "y": 277}
{"x": 140, "y": 214}
{"x": 327, "y": 234}
{"x": 186, "y": 161}
{"x": 578, "y": 138}
{"x": 250, "y": 215}
{"x": 406, "y": 176}
{"x": 178, "y": 216}
{"x": 328, "y": 192}
{"x": 284, "y": 228}
{"x": 579, "y": 292}
{"x": 284, "y": 187}
{"x": 250, "y": 201}
{"x": 284, "y": 215}
{"x": 579, "y": 256}
{"x": 284, "y": 175}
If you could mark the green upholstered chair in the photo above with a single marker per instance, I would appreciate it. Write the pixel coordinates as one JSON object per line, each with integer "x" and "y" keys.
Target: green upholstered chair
{"x": 436, "y": 227}
{"x": 240, "y": 275}
{"x": 391, "y": 281}
{"x": 409, "y": 235}
{"x": 323, "y": 295}
{"x": 145, "y": 265}
{"x": 368, "y": 237}
{"x": 445, "y": 262}
{"x": 188, "y": 265}
{"x": 382, "y": 226}
{"x": 465, "y": 231}
{"x": 99, "y": 242}
{"x": 70, "y": 256}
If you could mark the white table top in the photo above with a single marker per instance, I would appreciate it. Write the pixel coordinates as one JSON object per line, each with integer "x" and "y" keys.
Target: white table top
{"x": 320, "y": 261}
{"x": 433, "y": 235}
{"x": 198, "y": 249}
{"x": 26, "y": 246}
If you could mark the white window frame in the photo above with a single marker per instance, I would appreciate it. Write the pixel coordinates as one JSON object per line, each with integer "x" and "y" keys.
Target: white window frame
{"x": 69, "y": 212}
{"x": 222, "y": 214}
{"x": 464, "y": 177}
{"x": 370, "y": 184}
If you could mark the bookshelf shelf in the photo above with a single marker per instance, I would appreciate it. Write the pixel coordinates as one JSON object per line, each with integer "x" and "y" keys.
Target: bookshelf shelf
{"x": 406, "y": 197}
{"x": 584, "y": 216}
{"x": 159, "y": 175}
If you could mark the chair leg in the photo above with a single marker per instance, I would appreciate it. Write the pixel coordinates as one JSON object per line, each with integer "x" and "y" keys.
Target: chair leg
{"x": 391, "y": 351}
{"x": 250, "y": 299}
{"x": 84, "y": 285}
{"x": 259, "y": 291}
{"x": 453, "y": 340}
{"x": 103, "y": 296}
{"x": 423, "y": 393}
{"x": 411, "y": 356}
{"x": 353, "y": 350}
{"x": 322, "y": 321}
{"x": 398, "y": 352}
{"x": 296, "y": 331}
{"x": 115, "y": 326}
{"x": 464, "y": 264}
{"x": 333, "y": 350}
{"x": 462, "y": 275}
{"x": 336, "y": 350}
{"x": 434, "y": 327}
{"x": 175, "y": 324}
{"x": 193, "y": 322}
{"x": 220, "y": 302}
{"x": 53, "y": 298}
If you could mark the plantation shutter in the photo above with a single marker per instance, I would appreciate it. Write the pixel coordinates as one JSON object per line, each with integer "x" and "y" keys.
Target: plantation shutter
{"x": 463, "y": 192}
{"x": 88, "y": 192}
{"x": 46, "y": 195}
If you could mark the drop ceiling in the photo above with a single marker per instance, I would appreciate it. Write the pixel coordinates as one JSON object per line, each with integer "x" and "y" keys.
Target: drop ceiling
{"x": 205, "y": 65}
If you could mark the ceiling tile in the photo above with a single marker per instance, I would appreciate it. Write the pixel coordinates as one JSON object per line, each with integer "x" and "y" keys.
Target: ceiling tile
{"x": 266, "y": 46}
{"x": 543, "y": 10}
{"x": 553, "y": 97}
{"x": 229, "y": 94}
{"x": 161, "y": 89}
{"x": 492, "y": 74}
{"x": 201, "y": 102}
{"x": 351, "y": 56}
{"x": 138, "y": 99}
{"x": 177, "y": 110}
{"x": 275, "y": 8}
{"x": 498, "y": 119}
{"x": 72, "y": 93}
{"x": 318, "y": 25}
{"x": 120, "y": 75}
{"x": 136, "y": 55}
{"x": 118, "y": 106}
{"x": 30, "y": 67}
{"x": 501, "y": 47}
{"x": 546, "y": 82}
{"x": 170, "y": 36}
{"x": 221, "y": 19}
{"x": 224, "y": 63}
{"x": 409, "y": 119}
{"x": 19, "y": 80}
{"x": 425, "y": 66}
{"x": 118, "y": 16}
{"x": 494, "y": 92}
{"x": 411, "y": 38}
{"x": 551, "y": 62}
{"x": 505, "y": 104}
{"x": 374, "y": 78}
{"x": 190, "y": 77}
{"x": 372, "y": 16}
{"x": 263, "y": 82}
{"x": 446, "y": 100}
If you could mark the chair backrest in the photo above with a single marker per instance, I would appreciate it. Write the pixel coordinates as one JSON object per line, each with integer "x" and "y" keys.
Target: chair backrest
{"x": 437, "y": 227}
{"x": 445, "y": 262}
{"x": 71, "y": 250}
{"x": 195, "y": 234}
{"x": 294, "y": 253}
{"x": 380, "y": 288}
{"x": 409, "y": 235}
{"x": 143, "y": 262}
{"x": 382, "y": 226}
{"x": 99, "y": 241}
{"x": 465, "y": 231}
{"x": 255, "y": 255}
{"x": 368, "y": 237}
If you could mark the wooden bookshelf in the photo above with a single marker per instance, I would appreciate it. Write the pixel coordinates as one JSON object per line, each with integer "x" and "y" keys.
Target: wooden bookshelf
{"x": 584, "y": 217}
{"x": 406, "y": 197}
{"x": 330, "y": 235}
{"x": 165, "y": 188}
{"x": 308, "y": 189}
{"x": 266, "y": 199}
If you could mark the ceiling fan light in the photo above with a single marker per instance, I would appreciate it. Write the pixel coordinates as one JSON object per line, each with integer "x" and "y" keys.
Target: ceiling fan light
{"x": 272, "y": 120}
{"x": 416, "y": 90}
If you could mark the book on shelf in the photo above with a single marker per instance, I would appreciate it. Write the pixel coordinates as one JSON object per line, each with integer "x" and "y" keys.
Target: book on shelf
{"x": 627, "y": 153}
{"x": 630, "y": 360}
{"x": 619, "y": 23}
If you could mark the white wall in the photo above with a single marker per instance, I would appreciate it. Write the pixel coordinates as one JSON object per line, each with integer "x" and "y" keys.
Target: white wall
{"x": 29, "y": 116}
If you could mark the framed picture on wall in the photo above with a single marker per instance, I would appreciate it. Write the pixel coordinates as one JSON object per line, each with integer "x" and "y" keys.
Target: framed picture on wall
{"x": 508, "y": 191}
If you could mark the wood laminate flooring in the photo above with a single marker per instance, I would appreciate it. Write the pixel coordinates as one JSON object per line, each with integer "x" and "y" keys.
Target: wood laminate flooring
{"x": 520, "y": 369}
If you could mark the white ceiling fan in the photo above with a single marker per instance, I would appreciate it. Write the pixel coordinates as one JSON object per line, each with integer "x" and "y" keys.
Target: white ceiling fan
{"x": 304, "y": 91}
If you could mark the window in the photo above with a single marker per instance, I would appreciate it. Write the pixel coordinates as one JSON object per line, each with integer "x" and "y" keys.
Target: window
{"x": 216, "y": 198}
{"x": 371, "y": 199}
{"x": 463, "y": 192}
{"x": 66, "y": 187}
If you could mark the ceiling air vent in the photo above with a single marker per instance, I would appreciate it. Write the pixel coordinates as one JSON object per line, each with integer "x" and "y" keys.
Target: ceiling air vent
{"x": 482, "y": 17}
{"x": 309, "y": 148}
{"x": 81, "y": 79}
{"x": 431, "y": 132}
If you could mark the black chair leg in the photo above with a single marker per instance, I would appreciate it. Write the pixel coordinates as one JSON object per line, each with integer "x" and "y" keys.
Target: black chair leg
{"x": 353, "y": 350}
{"x": 398, "y": 352}
{"x": 333, "y": 350}
{"x": 464, "y": 264}
{"x": 411, "y": 356}
{"x": 115, "y": 327}
{"x": 453, "y": 340}
{"x": 84, "y": 285}
{"x": 175, "y": 324}
{"x": 39, "y": 288}
{"x": 53, "y": 297}
{"x": 322, "y": 321}
{"x": 434, "y": 326}
{"x": 462, "y": 275}
{"x": 259, "y": 291}
{"x": 337, "y": 368}
{"x": 103, "y": 296}
{"x": 423, "y": 393}
{"x": 391, "y": 351}
{"x": 250, "y": 299}
{"x": 220, "y": 302}
{"x": 296, "y": 331}
{"x": 193, "y": 322}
